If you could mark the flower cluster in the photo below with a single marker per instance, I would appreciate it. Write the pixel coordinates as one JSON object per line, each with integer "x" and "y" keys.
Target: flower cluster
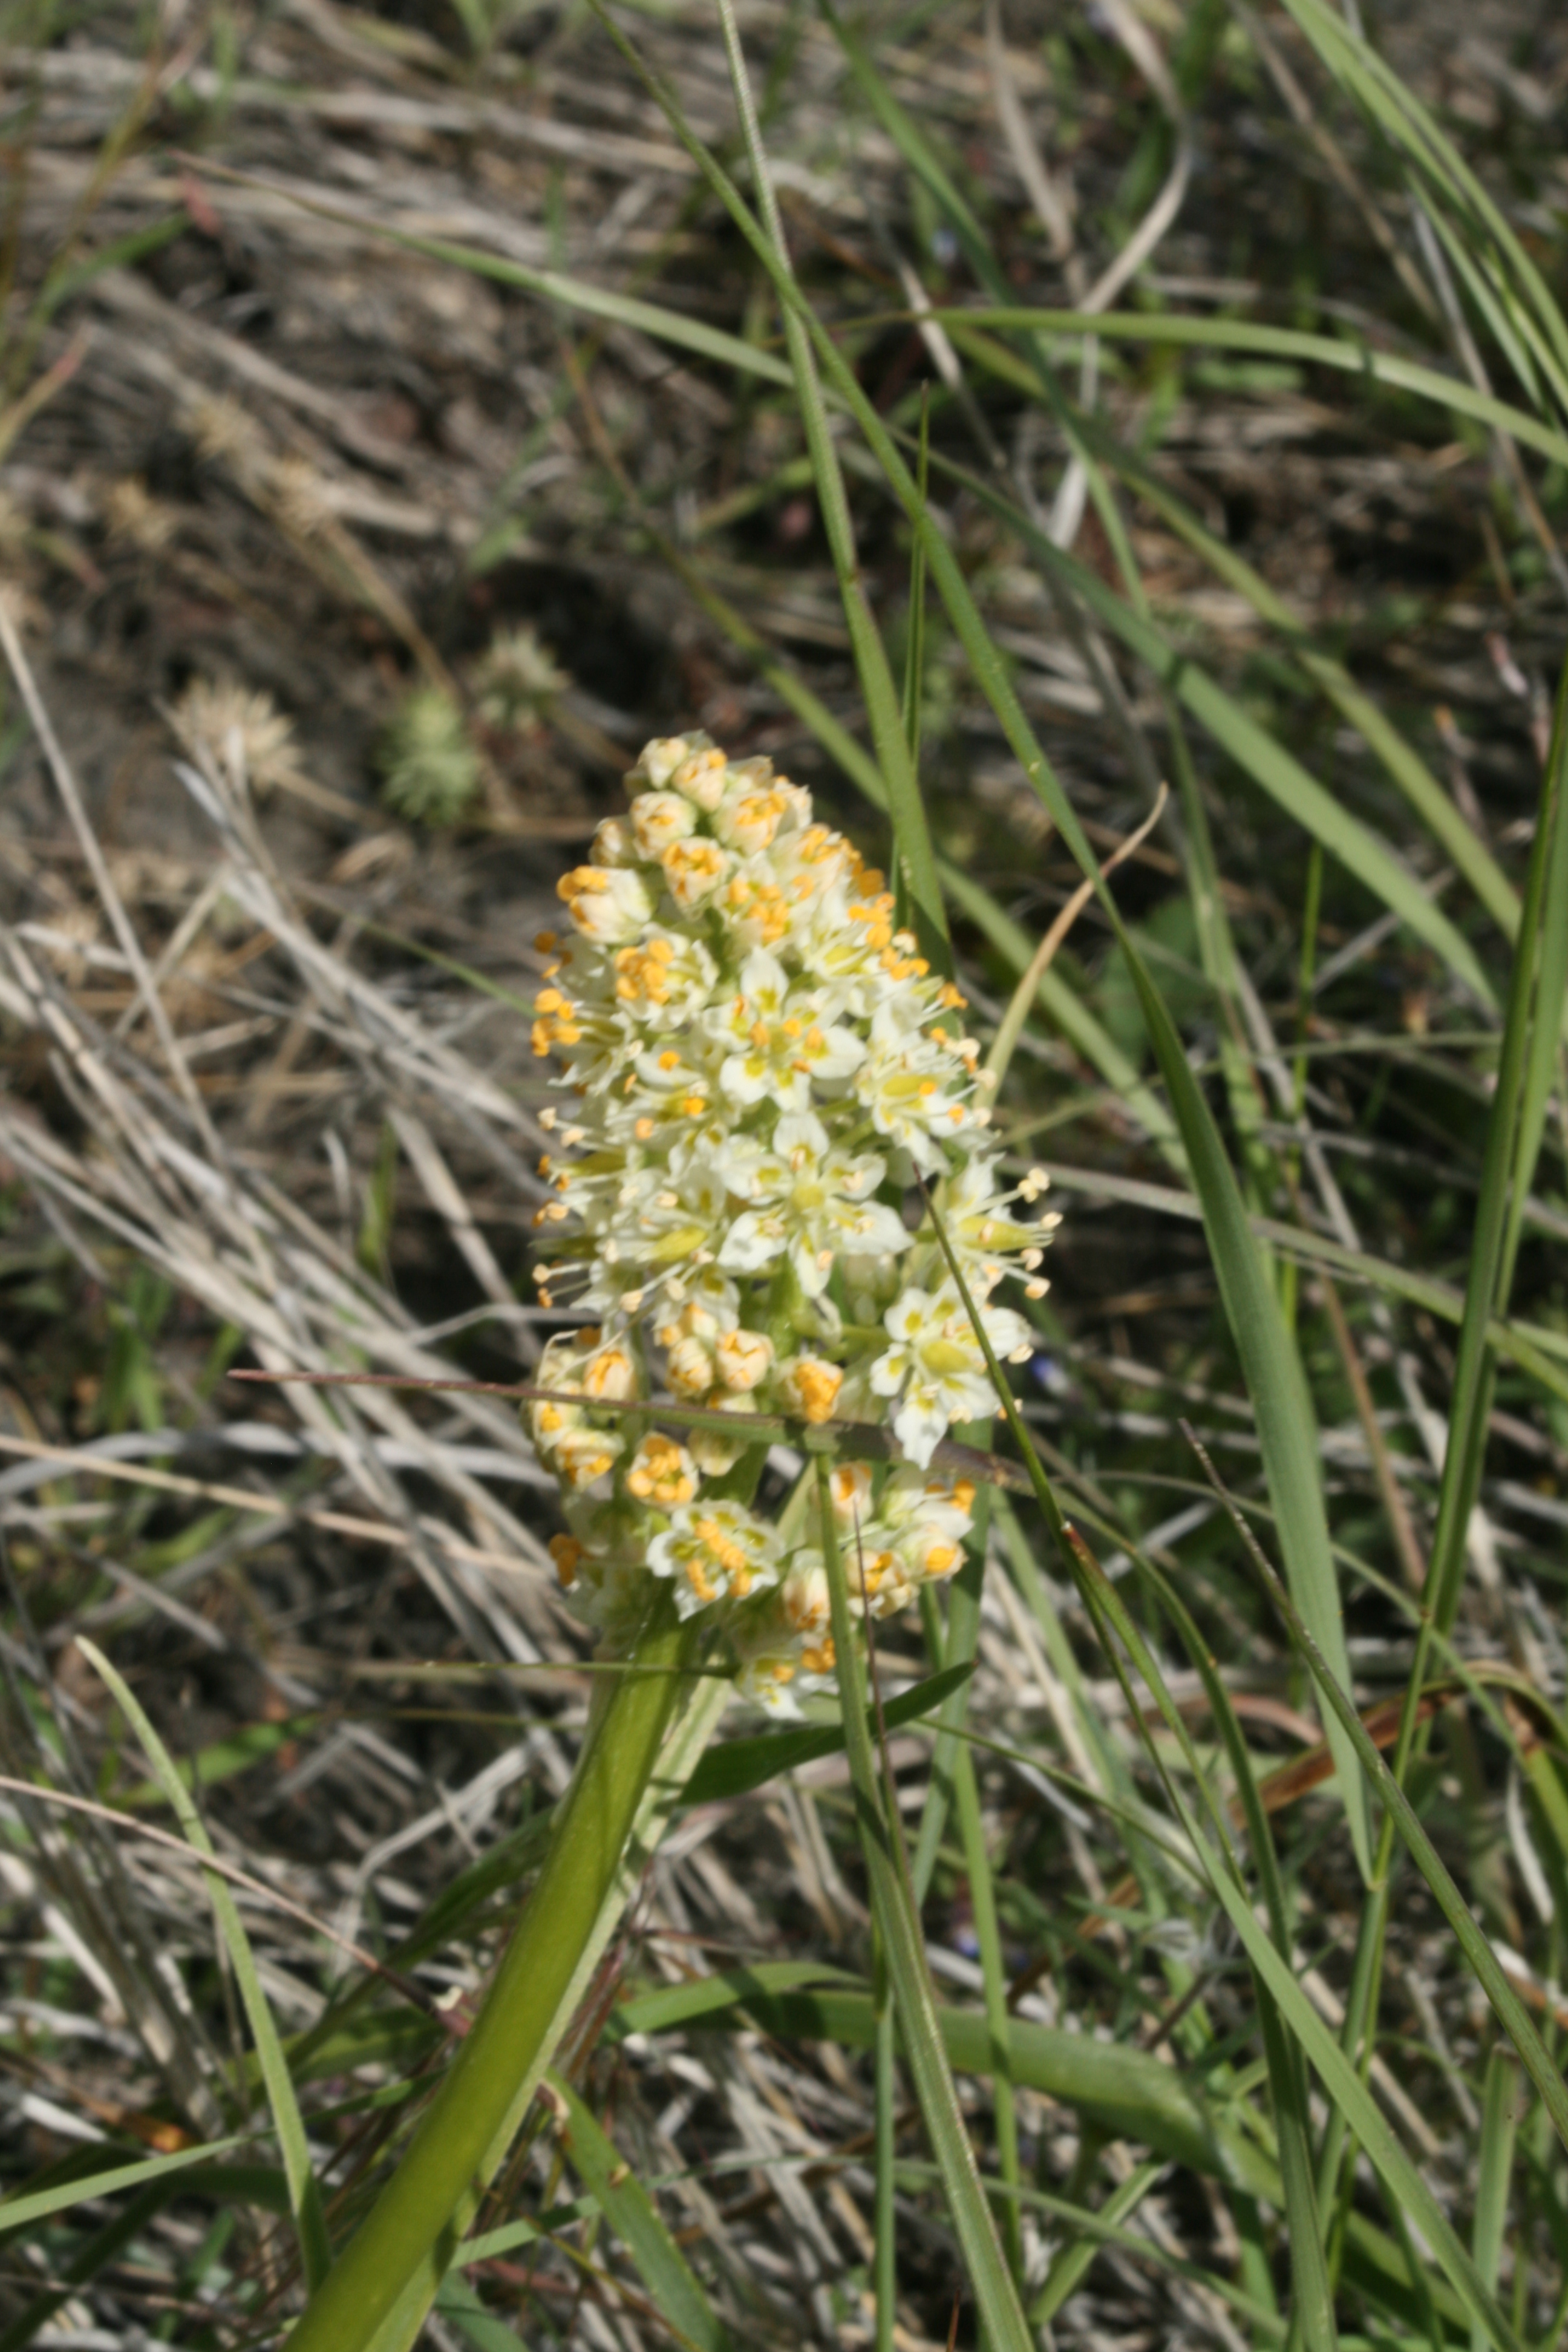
{"x": 763, "y": 1074}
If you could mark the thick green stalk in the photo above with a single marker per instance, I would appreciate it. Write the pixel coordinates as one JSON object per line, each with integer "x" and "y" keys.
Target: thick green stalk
{"x": 475, "y": 2113}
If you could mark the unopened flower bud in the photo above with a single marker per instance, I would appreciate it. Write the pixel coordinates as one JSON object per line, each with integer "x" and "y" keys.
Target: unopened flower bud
{"x": 660, "y": 818}
{"x": 743, "y": 1357}
{"x": 662, "y": 1472}
{"x": 808, "y": 1386}
{"x": 609, "y": 905}
{"x": 689, "y": 1365}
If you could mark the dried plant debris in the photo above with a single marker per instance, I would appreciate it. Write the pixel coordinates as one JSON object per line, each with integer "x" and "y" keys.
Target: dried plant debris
{"x": 346, "y": 581}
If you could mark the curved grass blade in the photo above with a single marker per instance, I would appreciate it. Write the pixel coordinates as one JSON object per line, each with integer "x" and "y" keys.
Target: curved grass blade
{"x": 304, "y": 2189}
{"x": 627, "y": 1781}
{"x": 1001, "y": 2314}
{"x": 1345, "y": 354}
{"x": 1264, "y": 759}
{"x": 631, "y": 2213}
{"x": 1392, "y": 104}
{"x": 20, "y": 2211}
{"x": 739, "y": 1766}
{"x": 1414, "y": 778}
{"x": 1473, "y": 1942}
{"x": 895, "y": 753}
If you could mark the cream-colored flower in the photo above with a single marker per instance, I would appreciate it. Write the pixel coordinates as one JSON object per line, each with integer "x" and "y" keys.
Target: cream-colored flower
{"x": 712, "y": 1551}
{"x": 808, "y": 1387}
{"x": 775, "y": 1048}
{"x": 755, "y": 1056}
{"x": 936, "y": 1367}
{"x": 659, "y": 820}
{"x": 744, "y": 1359}
{"x": 607, "y": 903}
{"x": 812, "y": 1202}
{"x": 662, "y": 1472}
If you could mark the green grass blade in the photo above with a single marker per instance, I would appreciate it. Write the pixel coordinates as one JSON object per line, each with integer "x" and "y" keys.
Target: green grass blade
{"x": 549, "y": 285}
{"x": 1414, "y": 778}
{"x": 998, "y": 2023}
{"x": 1094, "y": 2231}
{"x": 911, "y": 835}
{"x": 99, "y": 2249}
{"x": 1472, "y": 1940}
{"x": 1401, "y": 114}
{"x": 1494, "y": 2166}
{"x": 885, "y": 2221}
{"x": 672, "y": 2283}
{"x": 952, "y": 1781}
{"x": 1530, "y": 1030}
{"x": 1544, "y": 1066}
{"x": 1401, "y": 2177}
{"x": 915, "y": 645}
{"x": 20, "y": 2212}
{"x": 1313, "y": 2307}
{"x": 1001, "y": 2316}
{"x": 1264, "y": 759}
{"x": 736, "y": 1767}
{"x": 700, "y": 1997}
{"x": 304, "y": 2189}
{"x": 1345, "y": 354}
{"x": 959, "y": 1647}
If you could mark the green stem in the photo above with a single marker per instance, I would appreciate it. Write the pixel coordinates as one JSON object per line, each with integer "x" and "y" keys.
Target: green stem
{"x": 414, "y": 2226}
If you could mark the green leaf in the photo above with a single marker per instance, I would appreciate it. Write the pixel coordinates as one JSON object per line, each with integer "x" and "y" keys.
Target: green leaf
{"x": 911, "y": 835}
{"x": 672, "y": 2283}
{"x": 903, "y": 1947}
{"x": 20, "y": 2211}
{"x": 387, "y": 2276}
{"x": 701, "y": 1997}
{"x": 304, "y": 2189}
{"x": 1346, "y": 354}
{"x": 1130, "y": 2094}
{"x": 738, "y": 1765}
{"x": 1263, "y": 757}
